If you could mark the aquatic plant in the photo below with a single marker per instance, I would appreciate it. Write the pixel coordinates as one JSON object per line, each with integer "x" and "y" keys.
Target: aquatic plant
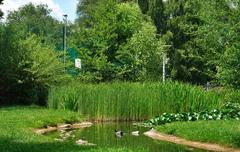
{"x": 132, "y": 101}
{"x": 228, "y": 111}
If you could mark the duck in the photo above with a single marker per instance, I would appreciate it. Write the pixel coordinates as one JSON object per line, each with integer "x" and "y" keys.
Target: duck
{"x": 118, "y": 133}
{"x": 135, "y": 133}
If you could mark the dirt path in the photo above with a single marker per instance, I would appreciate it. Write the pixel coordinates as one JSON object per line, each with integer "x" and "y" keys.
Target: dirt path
{"x": 200, "y": 145}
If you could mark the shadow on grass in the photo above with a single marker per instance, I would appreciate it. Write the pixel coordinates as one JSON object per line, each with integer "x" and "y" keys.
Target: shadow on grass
{"x": 8, "y": 145}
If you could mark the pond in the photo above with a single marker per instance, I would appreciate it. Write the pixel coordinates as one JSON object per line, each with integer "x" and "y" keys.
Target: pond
{"x": 103, "y": 135}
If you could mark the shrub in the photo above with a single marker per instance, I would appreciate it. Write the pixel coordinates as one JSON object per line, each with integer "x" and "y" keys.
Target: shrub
{"x": 32, "y": 68}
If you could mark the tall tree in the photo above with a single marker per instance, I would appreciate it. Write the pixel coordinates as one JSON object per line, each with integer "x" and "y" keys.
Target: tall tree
{"x": 144, "y": 5}
{"x": 85, "y": 8}
{"x": 226, "y": 21}
{"x": 157, "y": 13}
{"x": 108, "y": 45}
{"x": 36, "y": 20}
{"x": 186, "y": 61}
{"x": 195, "y": 49}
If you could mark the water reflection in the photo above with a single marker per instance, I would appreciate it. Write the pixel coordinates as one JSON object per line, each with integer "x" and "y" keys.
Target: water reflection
{"x": 103, "y": 135}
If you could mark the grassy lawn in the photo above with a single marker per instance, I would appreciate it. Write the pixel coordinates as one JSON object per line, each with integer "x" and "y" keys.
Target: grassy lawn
{"x": 16, "y": 130}
{"x": 221, "y": 132}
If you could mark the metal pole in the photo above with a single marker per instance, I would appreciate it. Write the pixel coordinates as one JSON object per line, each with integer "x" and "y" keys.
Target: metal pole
{"x": 65, "y": 39}
{"x": 164, "y": 67}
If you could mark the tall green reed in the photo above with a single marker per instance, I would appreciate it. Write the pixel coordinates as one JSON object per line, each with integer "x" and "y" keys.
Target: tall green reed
{"x": 132, "y": 101}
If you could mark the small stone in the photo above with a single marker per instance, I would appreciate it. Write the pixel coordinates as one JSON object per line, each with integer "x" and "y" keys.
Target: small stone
{"x": 65, "y": 126}
{"x": 84, "y": 142}
{"x": 81, "y": 125}
{"x": 81, "y": 142}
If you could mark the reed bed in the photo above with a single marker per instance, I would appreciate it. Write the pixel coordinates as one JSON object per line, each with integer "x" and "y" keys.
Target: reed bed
{"x": 132, "y": 101}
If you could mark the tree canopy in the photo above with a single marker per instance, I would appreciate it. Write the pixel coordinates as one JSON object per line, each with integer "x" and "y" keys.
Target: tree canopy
{"x": 120, "y": 40}
{"x": 106, "y": 41}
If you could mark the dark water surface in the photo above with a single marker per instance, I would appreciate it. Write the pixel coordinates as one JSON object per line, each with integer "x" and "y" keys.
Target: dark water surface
{"x": 103, "y": 135}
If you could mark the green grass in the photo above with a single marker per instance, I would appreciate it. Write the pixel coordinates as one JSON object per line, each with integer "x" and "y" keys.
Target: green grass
{"x": 221, "y": 132}
{"x": 132, "y": 101}
{"x": 16, "y": 131}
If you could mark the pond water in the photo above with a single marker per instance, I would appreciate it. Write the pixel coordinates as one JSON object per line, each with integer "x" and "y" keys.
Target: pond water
{"x": 103, "y": 135}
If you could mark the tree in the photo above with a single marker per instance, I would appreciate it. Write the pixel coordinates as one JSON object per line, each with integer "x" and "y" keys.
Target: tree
{"x": 214, "y": 33}
{"x": 227, "y": 38}
{"x": 85, "y": 8}
{"x": 196, "y": 27}
{"x": 229, "y": 67}
{"x": 36, "y": 20}
{"x": 94, "y": 37}
{"x": 144, "y": 5}
{"x": 28, "y": 62}
{"x": 105, "y": 44}
{"x": 157, "y": 13}
{"x": 141, "y": 56}
{"x": 29, "y": 70}
{"x": 187, "y": 59}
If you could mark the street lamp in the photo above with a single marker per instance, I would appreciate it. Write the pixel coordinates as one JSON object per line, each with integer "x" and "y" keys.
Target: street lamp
{"x": 65, "y": 39}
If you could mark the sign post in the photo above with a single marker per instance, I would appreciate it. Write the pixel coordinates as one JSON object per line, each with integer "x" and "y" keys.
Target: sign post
{"x": 78, "y": 63}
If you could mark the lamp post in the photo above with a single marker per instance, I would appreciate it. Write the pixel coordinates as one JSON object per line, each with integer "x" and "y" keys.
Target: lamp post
{"x": 164, "y": 67}
{"x": 65, "y": 39}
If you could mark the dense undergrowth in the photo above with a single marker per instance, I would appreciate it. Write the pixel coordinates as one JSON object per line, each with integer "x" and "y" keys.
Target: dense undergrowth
{"x": 134, "y": 101}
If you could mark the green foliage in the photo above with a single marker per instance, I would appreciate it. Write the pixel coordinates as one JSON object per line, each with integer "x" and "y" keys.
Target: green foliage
{"x": 232, "y": 96}
{"x": 144, "y": 5}
{"x": 94, "y": 40}
{"x": 28, "y": 62}
{"x": 36, "y": 20}
{"x": 117, "y": 41}
{"x": 228, "y": 111}
{"x": 85, "y": 8}
{"x": 141, "y": 55}
{"x": 40, "y": 63}
{"x": 202, "y": 32}
{"x": 156, "y": 11}
{"x": 206, "y": 33}
{"x": 29, "y": 69}
{"x": 189, "y": 61}
{"x": 229, "y": 67}
{"x": 132, "y": 101}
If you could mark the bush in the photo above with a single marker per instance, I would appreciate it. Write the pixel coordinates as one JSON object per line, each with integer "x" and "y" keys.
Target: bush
{"x": 31, "y": 69}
